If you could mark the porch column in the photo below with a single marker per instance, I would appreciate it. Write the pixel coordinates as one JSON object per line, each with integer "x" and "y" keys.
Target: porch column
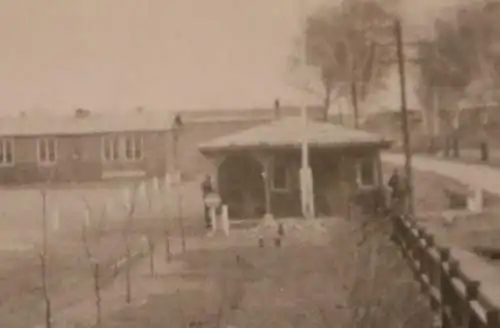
{"x": 215, "y": 162}
{"x": 380, "y": 176}
{"x": 266, "y": 161}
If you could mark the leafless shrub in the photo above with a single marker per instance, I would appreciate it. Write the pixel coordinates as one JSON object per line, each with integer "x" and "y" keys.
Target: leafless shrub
{"x": 95, "y": 270}
{"x": 379, "y": 288}
{"x": 131, "y": 203}
{"x": 44, "y": 260}
{"x": 151, "y": 248}
{"x": 45, "y": 290}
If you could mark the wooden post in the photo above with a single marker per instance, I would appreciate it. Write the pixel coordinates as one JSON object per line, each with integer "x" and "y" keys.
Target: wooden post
{"x": 168, "y": 254}
{"x": 267, "y": 187}
{"x": 178, "y": 180}
{"x": 471, "y": 294}
{"x": 97, "y": 290}
{"x": 151, "y": 246}
{"x": 444, "y": 257}
{"x": 45, "y": 290}
{"x": 128, "y": 269}
{"x": 451, "y": 295}
{"x": 354, "y": 98}
{"x": 404, "y": 116}
{"x": 492, "y": 319}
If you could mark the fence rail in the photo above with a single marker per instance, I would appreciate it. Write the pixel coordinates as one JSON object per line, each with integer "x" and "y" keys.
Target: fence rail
{"x": 454, "y": 296}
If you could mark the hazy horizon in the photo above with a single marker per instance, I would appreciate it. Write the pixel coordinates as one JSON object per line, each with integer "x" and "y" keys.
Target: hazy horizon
{"x": 110, "y": 55}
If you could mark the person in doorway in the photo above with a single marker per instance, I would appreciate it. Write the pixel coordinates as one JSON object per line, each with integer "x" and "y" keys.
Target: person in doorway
{"x": 206, "y": 189}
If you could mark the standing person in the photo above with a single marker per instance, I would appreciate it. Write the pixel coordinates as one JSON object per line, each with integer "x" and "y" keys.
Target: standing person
{"x": 396, "y": 183}
{"x": 207, "y": 188}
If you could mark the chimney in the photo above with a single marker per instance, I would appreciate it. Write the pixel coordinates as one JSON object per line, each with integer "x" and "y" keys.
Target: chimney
{"x": 277, "y": 109}
{"x": 82, "y": 113}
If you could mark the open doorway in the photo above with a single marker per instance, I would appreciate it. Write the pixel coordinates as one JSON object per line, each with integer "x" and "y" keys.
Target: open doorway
{"x": 241, "y": 186}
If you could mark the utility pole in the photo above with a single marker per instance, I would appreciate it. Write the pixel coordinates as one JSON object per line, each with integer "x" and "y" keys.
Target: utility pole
{"x": 306, "y": 181}
{"x": 178, "y": 179}
{"x": 404, "y": 116}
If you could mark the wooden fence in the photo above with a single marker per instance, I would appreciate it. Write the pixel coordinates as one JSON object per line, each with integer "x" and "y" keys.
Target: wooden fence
{"x": 454, "y": 296}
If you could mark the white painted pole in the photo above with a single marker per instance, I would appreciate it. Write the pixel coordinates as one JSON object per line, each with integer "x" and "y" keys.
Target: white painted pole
{"x": 225, "y": 220}
{"x": 306, "y": 183}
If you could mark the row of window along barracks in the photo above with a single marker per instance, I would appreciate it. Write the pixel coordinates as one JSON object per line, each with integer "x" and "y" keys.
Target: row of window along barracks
{"x": 89, "y": 146}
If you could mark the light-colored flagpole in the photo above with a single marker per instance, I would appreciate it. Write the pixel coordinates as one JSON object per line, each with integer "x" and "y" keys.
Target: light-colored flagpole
{"x": 306, "y": 183}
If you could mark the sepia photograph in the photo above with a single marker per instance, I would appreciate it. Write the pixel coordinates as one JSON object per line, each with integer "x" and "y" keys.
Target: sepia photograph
{"x": 249, "y": 164}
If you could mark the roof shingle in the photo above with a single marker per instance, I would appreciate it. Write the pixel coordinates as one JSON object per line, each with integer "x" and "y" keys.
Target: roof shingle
{"x": 286, "y": 133}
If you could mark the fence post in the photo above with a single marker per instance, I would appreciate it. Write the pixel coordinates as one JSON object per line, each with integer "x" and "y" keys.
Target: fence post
{"x": 492, "y": 319}
{"x": 424, "y": 258}
{"x": 444, "y": 254}
{"x": 455, "y": 320}
{"x": 471, "y": 294}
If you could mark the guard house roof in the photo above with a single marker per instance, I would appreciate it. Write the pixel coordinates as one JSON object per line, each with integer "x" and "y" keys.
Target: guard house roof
{"x": 286, "y": 133}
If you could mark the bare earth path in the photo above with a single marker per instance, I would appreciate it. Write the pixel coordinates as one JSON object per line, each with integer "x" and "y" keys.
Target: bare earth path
{"x": 483, "y": 176}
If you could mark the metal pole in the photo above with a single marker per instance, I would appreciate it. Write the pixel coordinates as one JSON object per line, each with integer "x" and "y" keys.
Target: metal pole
{"x": 404, "y": 116}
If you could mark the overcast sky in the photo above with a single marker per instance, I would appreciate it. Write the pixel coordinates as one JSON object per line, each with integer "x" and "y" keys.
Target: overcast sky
{"x": 163, "y": 54}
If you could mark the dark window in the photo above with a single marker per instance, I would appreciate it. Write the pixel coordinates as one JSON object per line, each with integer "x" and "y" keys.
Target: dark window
{"x": 138, "y": 147}
{"x": 6, "y": 152}
{"x": 280, "y": 176}
{"x": 115, "y": 148}
{"x": 51, "y": 145}
{"x": 47, "y": 151}
{"x": 133, "y": 147}
{"x": 111, "y": 148}
{"x": 366, "y": 173}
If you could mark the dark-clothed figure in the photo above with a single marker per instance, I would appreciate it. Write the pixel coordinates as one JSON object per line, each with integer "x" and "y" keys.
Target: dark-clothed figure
{"x": 207, "y": 188}
{"x": 397, "y": 185}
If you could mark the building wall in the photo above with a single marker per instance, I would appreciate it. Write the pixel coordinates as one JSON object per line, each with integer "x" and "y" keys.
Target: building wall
{"x": 335, "y": 176}
{"x": 90, "y": 165}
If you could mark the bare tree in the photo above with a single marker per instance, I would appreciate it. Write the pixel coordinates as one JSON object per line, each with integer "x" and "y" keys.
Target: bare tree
{"x": 44, "y": 254}
{"x": 151, "y": 249}
{"x": 462, "y": 51}
{"x": 97, "y": 291}
{"x": 341, "y": 42}
{"x": 127, "y": 235}
{"x": 369, "y": 297}
{"x": 95, "y": 271}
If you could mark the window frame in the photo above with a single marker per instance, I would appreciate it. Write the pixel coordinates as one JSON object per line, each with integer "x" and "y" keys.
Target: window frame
{"x": 118, "y": 147}
{"x": 136, "y": 140}
{"x": 3, "y": 147}
{"x": 112, "y": 142}
{"x": 46, "y": 141}
{"x": 359, "y": 172}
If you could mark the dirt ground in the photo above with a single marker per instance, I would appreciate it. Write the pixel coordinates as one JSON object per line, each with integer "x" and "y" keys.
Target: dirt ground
{"x": 308, "y": 282}
{"x": 300, "y": 284}
{"x": 70, "y": 276}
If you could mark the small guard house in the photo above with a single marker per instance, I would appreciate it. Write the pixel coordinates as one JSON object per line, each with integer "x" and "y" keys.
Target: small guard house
{"x": 256, "y": 171}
